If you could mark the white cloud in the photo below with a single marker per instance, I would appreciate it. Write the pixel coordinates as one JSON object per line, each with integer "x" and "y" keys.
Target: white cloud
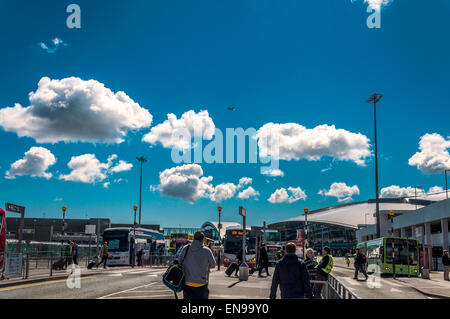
{"x": 57, "y": 43}
{"x": 434, "y": 193}
{"x": 296, "y": 142}
{"x": 177, "y": 133}
{"x": 433, "y": 157}
{"x": 273, "y": 172}
{"x": 185, "y": 182}
{"x": 58, "y": 199}
{"x": 341, "y": 191}
{"x": 247, "y": 193}
{"x": 281, "y": 195}
{"x": 106, "y": 184}
{"x": 223, "y": 191}
{"x": 87, "y": 168}
{"x": 244, "y": 181}
{"x": 122, "y": 167}
{"x": 153, "y": 188}
{"x": 35, "y": 163}
{"x": 72, "y": 110}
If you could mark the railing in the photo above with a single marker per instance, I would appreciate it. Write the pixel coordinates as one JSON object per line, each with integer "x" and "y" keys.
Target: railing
{"x": 334, "y": 289}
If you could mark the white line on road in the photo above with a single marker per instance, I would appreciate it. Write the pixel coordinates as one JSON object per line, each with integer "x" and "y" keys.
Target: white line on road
{"x": 126, "y": 290}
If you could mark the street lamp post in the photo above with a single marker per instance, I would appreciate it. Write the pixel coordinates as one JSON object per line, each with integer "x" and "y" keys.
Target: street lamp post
{"x": 64, "y": 208}
{"x": 305, "y": 244}
{"x": 375, "y": 98}
{"x": 392, "y": 214}
{"x": 219, "y": 226}
{"x": 142, "y": 160}
{"x": 134, "y": 237}
{"x": 243, "y": 268}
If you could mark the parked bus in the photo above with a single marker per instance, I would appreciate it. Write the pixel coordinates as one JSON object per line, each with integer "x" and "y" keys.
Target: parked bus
{"x": 233, "y": 243}
{"x": 178, "y": 240}
{"x": 120, "y": 240}
{"x": 379, "y": 255}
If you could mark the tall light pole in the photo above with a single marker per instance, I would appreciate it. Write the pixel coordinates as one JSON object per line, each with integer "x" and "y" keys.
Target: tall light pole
{"x": 134, "y": 237}
{"x": 142, "y": 160}
{"x": 415, "y": 194}
{"x": 305, "y": 245}
{"x": 392, "y": 214}
{"x": 375, "y": 98}
{"x": 64, "y": 208}
{"x": 219, "y": 226}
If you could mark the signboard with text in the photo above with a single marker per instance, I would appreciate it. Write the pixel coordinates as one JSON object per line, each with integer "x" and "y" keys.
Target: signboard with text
{"x": 15, "y": 208}
{"x": 13, "y": 265}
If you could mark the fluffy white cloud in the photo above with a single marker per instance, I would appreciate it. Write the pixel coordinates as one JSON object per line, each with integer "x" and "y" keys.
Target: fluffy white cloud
{"x": 273, "y": 172}
{"x": 341, "y": 191}
{"x": 223, "y": 191}
{"x": 244, "y": 181}
{"x": 35, "y": 163}
{"x": 292, "y": 141}
{"x": 177, "y": 133}
{"x": 106, "y": 184}
{"x": 434, "y": 193}
{"x": 72, "y": 110}
{"x": 87, "y": 168}
{"x": 395, "y": 191}
{"x": 247, "y": 193}
{"x": 122, "y": 166}
{"x": 281, "y": 195}
{"x": 185, "y": 182}
{"x": 433, "y": 157}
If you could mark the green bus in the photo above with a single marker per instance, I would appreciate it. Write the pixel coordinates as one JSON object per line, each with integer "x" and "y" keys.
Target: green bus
{"x": 379, "y": 255}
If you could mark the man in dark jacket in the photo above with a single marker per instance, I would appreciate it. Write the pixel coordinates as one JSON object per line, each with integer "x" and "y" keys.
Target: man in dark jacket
{"x": 240, "y": 257}
{"x": 292, "y": 277}
{"x": 360, "y": 261}
{"x": 263, "y": 260}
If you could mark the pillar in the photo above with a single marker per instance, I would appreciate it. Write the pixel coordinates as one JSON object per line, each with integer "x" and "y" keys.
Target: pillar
{"x": 444, "y": 228}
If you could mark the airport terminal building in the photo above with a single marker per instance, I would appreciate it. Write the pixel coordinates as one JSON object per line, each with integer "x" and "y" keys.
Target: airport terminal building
{"x": 336, "y": 226}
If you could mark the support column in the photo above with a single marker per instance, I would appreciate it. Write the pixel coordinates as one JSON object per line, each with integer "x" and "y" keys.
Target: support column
{"x": 402, "y": 232}
{"x": 413, "y": 232}
{"x": 444, "y": 228}
{"x": 427, "y": 227}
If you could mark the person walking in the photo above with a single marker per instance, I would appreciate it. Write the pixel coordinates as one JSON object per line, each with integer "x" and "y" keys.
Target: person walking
{"x": 360, "y": 262}
{"x": 263, "y": 260}
{"x": 446, "y": 265}
{"x": 74, "y": 252}
{"x": 292, "y": 276}
{"x": 103, "y": 255}
{"x": 139, "y": 256}
{"x": 311, "y": 267}
{"x": 240, "y": 258}
{"x": 347, "y": 261}
{"x": 197, "y": 260}
{"x": 323, "y": 269}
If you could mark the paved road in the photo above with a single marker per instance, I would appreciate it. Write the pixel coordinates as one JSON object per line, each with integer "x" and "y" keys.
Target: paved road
{"x": 388, "y": 288}
{"x": 126, "y": 283}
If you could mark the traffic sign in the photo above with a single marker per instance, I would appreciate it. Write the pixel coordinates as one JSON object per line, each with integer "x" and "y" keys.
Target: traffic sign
{"x": 242, "y": 211}
{"x": 15, "y": 208}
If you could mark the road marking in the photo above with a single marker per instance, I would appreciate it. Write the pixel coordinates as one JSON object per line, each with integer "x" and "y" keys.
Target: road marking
{"x": 126, "y": 290}
{"x": 145, "y": 296}
{"x": 37, "y": 284}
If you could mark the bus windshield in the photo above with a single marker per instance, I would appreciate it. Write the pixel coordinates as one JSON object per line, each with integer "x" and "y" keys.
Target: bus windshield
{"x": 117, "y": 240}
{"x": 234, "y": 243}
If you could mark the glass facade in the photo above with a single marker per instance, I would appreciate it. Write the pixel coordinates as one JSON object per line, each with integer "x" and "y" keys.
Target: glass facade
{"x": 210, "y": 231}
{"x": 340, "y": 239}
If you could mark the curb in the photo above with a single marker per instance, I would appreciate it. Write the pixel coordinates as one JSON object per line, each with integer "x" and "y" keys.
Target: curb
{"x": 429, "y": 294}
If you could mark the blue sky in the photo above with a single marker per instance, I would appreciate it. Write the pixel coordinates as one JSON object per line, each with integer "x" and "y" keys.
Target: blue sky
{"x": 303, "y": 62}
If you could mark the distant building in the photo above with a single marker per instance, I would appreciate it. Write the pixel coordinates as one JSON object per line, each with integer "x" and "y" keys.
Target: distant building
{"x": 336, "y": 226}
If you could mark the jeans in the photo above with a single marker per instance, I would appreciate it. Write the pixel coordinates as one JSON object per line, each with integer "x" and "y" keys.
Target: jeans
{"x": 201, "y": 292}
{"x": 261, "y": 267}
{"x": 103, "y": 261}
{"x": 360, "y": 268}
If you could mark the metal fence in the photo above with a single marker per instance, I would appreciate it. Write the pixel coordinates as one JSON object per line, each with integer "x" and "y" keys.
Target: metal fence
{"x": 335, "y": 289}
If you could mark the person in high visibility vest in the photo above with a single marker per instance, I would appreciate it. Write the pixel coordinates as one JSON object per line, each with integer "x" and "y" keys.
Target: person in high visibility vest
{"x": 323, "y": 270}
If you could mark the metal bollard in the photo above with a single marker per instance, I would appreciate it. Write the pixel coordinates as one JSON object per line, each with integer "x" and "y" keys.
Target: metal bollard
{"x": 27, "y": 269}
{"x": 51, "y": 265}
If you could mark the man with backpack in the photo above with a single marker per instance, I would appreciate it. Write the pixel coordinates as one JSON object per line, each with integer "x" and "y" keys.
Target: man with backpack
{"x": 196, "y": 260}
{"x": 360, "y": 262}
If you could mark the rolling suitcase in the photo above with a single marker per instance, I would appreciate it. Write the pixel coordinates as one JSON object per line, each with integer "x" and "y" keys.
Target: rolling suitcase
{"x": 231, "y": 268}
{"x": 59, "y": 264}
{"x": 91, "y": 264}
